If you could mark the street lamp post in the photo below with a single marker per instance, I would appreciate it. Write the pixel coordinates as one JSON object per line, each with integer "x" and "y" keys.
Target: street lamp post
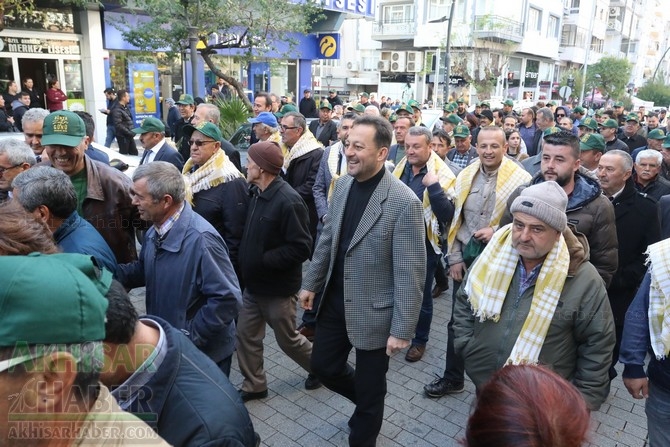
{"x": 593, "y": 90}
{"x": 193, "y": 44}
{"x": 447, "y": 53}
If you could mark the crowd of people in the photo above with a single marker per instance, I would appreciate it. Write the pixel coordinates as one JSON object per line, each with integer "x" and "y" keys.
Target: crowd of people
{"x": 551, "y": 231}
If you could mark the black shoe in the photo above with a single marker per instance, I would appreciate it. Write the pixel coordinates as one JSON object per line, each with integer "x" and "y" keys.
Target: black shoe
{"x": 441, "y": 386}
{"x": 312, "y": 382}
{"x": 248, "y": 395}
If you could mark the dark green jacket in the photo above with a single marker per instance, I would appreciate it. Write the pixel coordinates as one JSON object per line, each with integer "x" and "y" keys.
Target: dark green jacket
{"x": 578, "y": 345}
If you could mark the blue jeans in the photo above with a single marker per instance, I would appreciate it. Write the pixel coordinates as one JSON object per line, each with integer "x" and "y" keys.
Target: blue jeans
{"x": 111, "y": 134}
{"x": 426, "y": 314}
{"x": 658, "y": 416}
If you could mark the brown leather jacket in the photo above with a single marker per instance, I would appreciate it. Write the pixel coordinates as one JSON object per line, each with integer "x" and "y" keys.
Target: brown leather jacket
{"x": 108, "y": 208}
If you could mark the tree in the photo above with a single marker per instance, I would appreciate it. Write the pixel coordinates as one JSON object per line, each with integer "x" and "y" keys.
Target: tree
{"x": 656, "y": 91}
{"x": 246, "y": 25}
{"x": 576, "y": 76}
{"x": 12, "y": 10}
{"x": 614, "y": 75}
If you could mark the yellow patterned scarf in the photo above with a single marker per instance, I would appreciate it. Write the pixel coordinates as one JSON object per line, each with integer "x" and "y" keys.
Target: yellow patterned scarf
{"x": 333, "y": 162}
{"x": 490, "y": 278}
{"x": 447, "y": 182}
{"x": 275, "y": 138}
{"x": 218, "y": 169}
{"x": 306, "y": 144}
{"x": 659, "y": 298}
{"x": 510, "y": 177}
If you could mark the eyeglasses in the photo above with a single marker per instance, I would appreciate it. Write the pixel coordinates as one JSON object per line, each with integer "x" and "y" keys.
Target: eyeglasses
{"x": 560, "y": 116}
{"x": 200, "y": 143}
{"x": 2, "y": 170}
{"x": 288, "y": 127}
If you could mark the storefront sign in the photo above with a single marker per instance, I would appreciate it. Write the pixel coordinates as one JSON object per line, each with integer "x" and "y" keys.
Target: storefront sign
{"x": 359, "y": 7}
{"x": 35, "y": 45}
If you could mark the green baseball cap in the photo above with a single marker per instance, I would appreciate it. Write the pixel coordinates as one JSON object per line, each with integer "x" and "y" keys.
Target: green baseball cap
{"x": 508, "y": 102}
{"x": 393, "y": 118}
{"x": 590, "y": 123}
{"x": 332, "y": 90}
{"x": 633, "y": 117}
{"x": 600, "y": 112}
{"x": 460, "y": 101}
{"x": 326, "y": 105}
{"x": 186, "y": 100}
{"x": 451, "y": 118}
{"x": 618, "y": 104}
{"x": 448, "y": 108}
{"x": 63, "y": 303}
{"x": 414, "y": 104}
{"x": 461, "y": 131}
{"x": 592, "y": 142}
{"x": 485, "y": 104}
{"x": 666, "y": 142}
{"x": 286, "y": 108}
{"x": 551, "y": 103}
{"x": 64, "y": 128}
{"x": 150, "y": 124}
{"x": 610, "y": 123}
{"x": 579, "y": 109}
{"x": 656, "y": 134}
{"x": 359, "y": 108}
{"x": 551, "y": 131}
{"x": 405, "y": 108}
{"x": 206, "y": 128}
{"x": 365, "y": 95}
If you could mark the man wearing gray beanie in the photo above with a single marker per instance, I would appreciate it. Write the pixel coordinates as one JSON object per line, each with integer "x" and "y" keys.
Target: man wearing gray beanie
{"x": 532, "y": 297}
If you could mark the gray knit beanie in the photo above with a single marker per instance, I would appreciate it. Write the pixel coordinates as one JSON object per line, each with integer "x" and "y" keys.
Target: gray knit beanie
{"x": 546, "y": 201}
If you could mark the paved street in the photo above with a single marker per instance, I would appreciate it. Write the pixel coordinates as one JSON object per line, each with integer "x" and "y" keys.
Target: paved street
{"x": 291, "y": 416}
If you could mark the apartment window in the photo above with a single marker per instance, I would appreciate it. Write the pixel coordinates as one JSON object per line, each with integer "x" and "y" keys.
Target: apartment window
{"x": 398, "y": 13}
{"x": 534, "y": 20}
{"x": 438, "y": 9}
{"x": 553, "y": 28}
{"x": 597, "y": 44}
{"x": 574, "y": 5}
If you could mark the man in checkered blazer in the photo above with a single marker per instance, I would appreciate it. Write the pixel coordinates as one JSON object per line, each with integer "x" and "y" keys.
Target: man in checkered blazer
{"x": 371, "y": 262}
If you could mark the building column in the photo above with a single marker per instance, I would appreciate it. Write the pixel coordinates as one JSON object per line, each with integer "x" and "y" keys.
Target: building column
{"x": 93, "y": 71}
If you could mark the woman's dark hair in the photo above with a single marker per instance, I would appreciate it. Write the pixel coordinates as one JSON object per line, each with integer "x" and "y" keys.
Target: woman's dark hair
{"x": 52, "y": 82}
{"x": 528, "y": 406}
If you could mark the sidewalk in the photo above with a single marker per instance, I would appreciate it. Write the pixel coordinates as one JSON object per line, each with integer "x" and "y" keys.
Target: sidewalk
{"x": 291, "y": 416}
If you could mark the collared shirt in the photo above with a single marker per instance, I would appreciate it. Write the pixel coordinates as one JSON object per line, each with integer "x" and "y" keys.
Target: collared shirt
{"x": 169, "y": 223}
{"x": 152, "y": 152}
{"x": 126, "y": 393}
{"x": 414, "y": 181}
{"x": 617, "y": 194}
{"x": 527, "y": 279}
{"x": 461, "y": 159}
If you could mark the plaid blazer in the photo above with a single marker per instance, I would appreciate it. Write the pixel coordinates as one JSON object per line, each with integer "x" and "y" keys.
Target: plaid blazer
{"x": 384, "y": 267}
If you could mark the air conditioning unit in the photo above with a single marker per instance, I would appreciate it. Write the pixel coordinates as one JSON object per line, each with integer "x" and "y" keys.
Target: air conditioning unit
{"x": 614, "y": 24}
{"x": 353, "y": 66}
{"x": 383, "y": 65}
{"x": 614, "y": 12}
{"x": 414, "y": 61}
{"x": 398, "y": 60}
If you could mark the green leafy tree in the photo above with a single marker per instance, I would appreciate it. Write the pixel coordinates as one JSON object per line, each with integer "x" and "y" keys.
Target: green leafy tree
{"x": 614, "y": 75}
{"x": 249, "y": 26}
{"x": 13, "y": 10}
{"x": 656, "y": 91}
{"x": 576, "y": 75}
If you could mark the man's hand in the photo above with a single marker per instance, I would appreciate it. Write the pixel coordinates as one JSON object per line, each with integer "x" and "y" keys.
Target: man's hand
{"x": 429, "y": 179}
{"x": 484, "y": 234}
{"x": 638, "y": 388}
{"x": 394, "y": 345}
{"x": 306, "y": 299}
{"x": 457, "y": 271}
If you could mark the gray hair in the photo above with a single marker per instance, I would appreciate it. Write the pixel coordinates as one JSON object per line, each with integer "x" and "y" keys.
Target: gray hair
{"x": 44, "y": 185}
{"x": 298, "y": 119}
{"x": 89, "y": 356}
{"x": 649, "y": 153}
{"x": 546, "y": 113}
{"x": 372, "y": 110}
{"x": 163, "y": 178}
{"x": 268, "y": 129}
{"x": 212, "y": 113}
{"x": 420, "y": 131}
{"x": 625, "y": 158}
{"x": 36, "y": 115}
{"x": 17, "y": 151}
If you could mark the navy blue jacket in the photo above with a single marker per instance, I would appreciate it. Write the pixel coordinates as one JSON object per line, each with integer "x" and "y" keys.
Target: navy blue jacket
{"x": 76, "y": 235}
{"x": 635, "y": 342}
{"x": 191, "y": 402}
{"x": 190, "y": 282}
{"x": 97, "y": 154}
{"x": 168, "y": 154}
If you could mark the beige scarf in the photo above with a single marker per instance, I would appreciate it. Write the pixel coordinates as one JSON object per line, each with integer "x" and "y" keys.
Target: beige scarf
{"x": 659, "y": 298}
{"x": 218, "y": 169}
{"x": 306, "y": 144}
{"x": 447, "y": 181}
{"x": 489, "y": 280}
